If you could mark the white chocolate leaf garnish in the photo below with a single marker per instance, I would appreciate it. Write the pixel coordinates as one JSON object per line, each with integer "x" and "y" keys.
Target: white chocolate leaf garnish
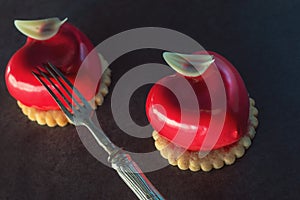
{"x": 191, "y": 65}
{"x": 41, "y": 29}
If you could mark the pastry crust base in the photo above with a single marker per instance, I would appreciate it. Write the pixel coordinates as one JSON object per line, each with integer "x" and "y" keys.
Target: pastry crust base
{"x": 52, "y": 118}
{"x": 216, "y": 159}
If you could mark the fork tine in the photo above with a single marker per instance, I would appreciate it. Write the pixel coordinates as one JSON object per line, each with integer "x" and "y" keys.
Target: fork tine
{"x": 61, "y": 105}
{"x": 84, "y": 101}
{"x": 59, "y": 91}
{"x": 62, "y": 85}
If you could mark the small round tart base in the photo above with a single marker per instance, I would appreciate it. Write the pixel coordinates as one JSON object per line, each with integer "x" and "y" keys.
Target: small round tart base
{"x": 52, "y": 118}
{"x": 215, "y": 159}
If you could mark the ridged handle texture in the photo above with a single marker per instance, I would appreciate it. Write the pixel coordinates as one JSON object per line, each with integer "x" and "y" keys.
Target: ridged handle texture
{"x": 133, "y": 176}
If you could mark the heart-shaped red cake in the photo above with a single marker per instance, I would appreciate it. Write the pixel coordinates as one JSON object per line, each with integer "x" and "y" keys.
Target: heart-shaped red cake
{"x": 164, "y": 110}
{"x": 57, "y": 42}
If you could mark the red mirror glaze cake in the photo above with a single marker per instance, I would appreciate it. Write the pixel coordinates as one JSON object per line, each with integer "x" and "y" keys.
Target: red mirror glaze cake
{"x": 182, "y": 129}
{"x": 62, "y": 44}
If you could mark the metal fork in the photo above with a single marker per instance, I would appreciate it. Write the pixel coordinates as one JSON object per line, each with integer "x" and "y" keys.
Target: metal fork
{"x": 80, "y": 115}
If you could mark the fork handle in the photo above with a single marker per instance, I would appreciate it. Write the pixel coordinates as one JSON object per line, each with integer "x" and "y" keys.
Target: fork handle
{"x": 127, "y": 169}
{"x": 133, "y": 176}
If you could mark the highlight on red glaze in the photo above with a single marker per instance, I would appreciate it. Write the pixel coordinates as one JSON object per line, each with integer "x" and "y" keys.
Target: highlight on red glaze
{"x": 67, "y": 49}
{"x": 164, "y": 112}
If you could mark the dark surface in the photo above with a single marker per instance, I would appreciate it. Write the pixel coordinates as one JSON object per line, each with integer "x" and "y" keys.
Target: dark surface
{"x": 261, "y": 38}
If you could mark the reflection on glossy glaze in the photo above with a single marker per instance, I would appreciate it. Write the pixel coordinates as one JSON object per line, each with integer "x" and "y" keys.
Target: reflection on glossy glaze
{"x": 66, "y": 49}
{"x": 164, "y": 113}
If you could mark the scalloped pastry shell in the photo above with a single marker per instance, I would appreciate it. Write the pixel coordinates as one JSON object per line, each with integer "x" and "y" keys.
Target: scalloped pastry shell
{"x": 215, "y": 159}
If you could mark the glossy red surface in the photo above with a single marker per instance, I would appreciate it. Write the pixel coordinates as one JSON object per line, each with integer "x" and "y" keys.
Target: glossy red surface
{"x": 165, "y": 115}
{"x": 67, "y": 50}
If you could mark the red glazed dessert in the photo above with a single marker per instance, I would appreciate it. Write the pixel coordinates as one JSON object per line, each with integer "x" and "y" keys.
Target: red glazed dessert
{"x": 201, "y": 114}
{"x": 62, "y": 44}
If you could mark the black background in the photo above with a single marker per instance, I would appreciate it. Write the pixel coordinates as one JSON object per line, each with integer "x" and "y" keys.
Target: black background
{"x": 261, "y": 38}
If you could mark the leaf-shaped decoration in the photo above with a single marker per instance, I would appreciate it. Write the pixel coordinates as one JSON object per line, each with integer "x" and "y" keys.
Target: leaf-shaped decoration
{"x": 191, "y": 65}
{"x": 41, "y": 29}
